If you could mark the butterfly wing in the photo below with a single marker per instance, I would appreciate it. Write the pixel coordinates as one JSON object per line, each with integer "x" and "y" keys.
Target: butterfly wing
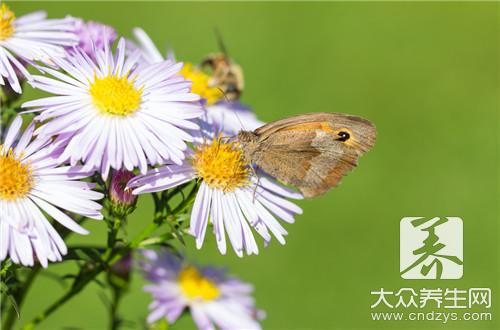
{"x": 309, "y": 151}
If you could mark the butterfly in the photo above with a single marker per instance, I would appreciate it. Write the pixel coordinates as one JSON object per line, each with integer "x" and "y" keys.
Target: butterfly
{"x": 312, "y": 151}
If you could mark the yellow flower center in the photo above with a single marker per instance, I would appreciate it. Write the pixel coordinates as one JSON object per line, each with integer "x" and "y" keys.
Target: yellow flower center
{"x": 15, "y": 177}
{"x": 6, "y": 19}
{"x": 195, "y": 285}
{"x": 201, "y": 84}
{"x": 221, "y": 165}
{"x": 116, "y": 96}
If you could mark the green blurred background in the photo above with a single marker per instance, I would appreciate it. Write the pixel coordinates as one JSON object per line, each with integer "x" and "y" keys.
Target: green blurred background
{"x": 425, "y": 73}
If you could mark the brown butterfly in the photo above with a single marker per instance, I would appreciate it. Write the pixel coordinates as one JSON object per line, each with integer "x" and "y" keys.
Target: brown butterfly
{"x": 311, "y": 152}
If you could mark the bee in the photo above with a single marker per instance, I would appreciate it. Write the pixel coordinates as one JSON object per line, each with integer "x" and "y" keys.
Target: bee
{"x": 225, "y": 73}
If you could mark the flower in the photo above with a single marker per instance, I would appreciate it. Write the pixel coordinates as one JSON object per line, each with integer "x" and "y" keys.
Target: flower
{"x": 230, "y": 195}
{"x": 201, "y": 85}
{"x": 114, "y": 114}
{"x": 221, "y": 116}
{"x": 151, "y": 54}
{"x": 31, "y": 182}
{"x": 214, "y": 299}
{"x": 31, "y": 37}
{"x": 122, "y": 199}
{"x": 92, "y": 35}
{"x": 7, "y": 94}
{"x": 228, "y": 118}
{"x": 118, "y": 275}
{"x": 123, "y": 267}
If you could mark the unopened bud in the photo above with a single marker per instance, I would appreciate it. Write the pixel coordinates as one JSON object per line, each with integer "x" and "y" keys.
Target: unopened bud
{"x": 119, "y": 274}
{"x": 122, "y": 199}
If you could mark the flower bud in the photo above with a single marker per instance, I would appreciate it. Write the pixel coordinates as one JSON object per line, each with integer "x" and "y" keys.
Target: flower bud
{"x": 119, "y": 274}
{"x": 122, "y": 199}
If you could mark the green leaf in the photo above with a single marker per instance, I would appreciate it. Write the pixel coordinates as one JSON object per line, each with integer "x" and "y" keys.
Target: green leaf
{"x": 5, "y": 267}
{"x": 157, "y": 240}
{"x": 84, "y": 253}
{"x": 160, "y": 325}
{"x": 14, "y": 304}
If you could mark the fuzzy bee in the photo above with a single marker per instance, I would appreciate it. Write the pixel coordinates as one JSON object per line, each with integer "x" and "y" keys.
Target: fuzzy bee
{"x": 225, "y": 74}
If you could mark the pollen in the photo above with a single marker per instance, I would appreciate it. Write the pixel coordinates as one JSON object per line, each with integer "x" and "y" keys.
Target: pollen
{"x": 116, "y": 96}
{"x": 221, "y": 165}
{"x": 6, "y": 22}
{"x": 195, "y": 285}
{"x": 16, "y": 179}
{"x": 201, "y": 84}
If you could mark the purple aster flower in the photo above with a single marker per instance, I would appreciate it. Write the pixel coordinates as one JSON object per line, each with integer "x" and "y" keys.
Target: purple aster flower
{"x": 231, "y": 196}
{"x": 214, "y": 299}
{"x": 227, "y": 118}
{"x": 115, "y": 114}
{"x": 31, "y": 182}
{"x": 31, "y": 37}
{"x": 149, "y": 52}
{"x": 92, "y": 35}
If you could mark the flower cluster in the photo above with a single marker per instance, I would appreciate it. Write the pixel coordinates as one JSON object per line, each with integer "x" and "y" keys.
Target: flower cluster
{"x": 120, "y": 119}
{"x": 213, "y": 297}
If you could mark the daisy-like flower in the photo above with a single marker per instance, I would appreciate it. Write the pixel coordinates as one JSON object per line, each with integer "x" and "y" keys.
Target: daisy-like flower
{"x": 214, "y": 299}
{"x": 227, "y": 118}
{"x": 115, "y": 114}
{"x": 31, "y": 37}
{"x": 151, "y": 54}
{"x": 230, "y": 196}
{"x": 31, "y": 182}
{"x": 201, "y": 85}
{"x": 92, "y": 34}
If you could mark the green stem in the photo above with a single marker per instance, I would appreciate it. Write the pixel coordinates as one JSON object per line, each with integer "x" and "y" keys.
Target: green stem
{"x": 187, "y": 201}
{"x": 113, "y": 229}
{"x": 114, "y": 319}
{"x": 77, "y": 287}
{"x": 109, "y": 260}
{"x": 12, "y": 314}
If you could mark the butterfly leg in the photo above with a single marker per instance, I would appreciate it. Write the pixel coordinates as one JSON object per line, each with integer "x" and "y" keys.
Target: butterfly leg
{"x": 258, "y": 182}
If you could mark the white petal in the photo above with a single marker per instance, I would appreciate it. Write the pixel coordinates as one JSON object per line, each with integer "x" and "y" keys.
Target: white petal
{"x": 13, "y": 132}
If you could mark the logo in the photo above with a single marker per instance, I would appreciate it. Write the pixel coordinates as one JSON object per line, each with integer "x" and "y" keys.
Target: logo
{"x": 431, "y": 248}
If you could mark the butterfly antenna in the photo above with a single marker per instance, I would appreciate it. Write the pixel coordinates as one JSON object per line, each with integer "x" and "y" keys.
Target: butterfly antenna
{"x": 224, "y": 94}
{"x": 234, "y": 111}
{"x": 239, "y": 120}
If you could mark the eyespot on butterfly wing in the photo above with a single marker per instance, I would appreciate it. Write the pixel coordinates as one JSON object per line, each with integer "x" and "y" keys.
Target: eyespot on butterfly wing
{"x": 312, "y": 151}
